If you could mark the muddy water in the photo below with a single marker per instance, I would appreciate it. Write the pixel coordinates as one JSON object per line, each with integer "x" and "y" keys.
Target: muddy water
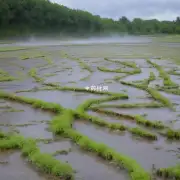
{"x": 113, "y": 119}
{"x": 88, "y": 167}
{"x": 16, "y": 168}
{"x": 19, "y": 85}
{"x": 158, "y": 114}
{"x": 164, "y": 63}
{"x": 144, "y": 153}
{"x": 36, "y": 131}
{"x": 158, "y": 82}
{"x": 66, "y": 99}
{"x": 55, "y": 146}
{"x": 29, "y": 114}
{"x": 65, "y": 73}
{"x": 172, "y": 97}
{"x": 143, "y": 75}
{"x": 175, "y": 79}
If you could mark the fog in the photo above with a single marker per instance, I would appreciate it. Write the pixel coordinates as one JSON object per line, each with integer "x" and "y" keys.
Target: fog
{"x": 39, "y": 41}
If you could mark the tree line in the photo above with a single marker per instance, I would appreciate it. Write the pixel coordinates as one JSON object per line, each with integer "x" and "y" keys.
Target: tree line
{"x": 37, "y": 16}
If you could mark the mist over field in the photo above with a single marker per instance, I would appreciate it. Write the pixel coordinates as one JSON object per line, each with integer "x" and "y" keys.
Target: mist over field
{"x": 35, "y": 41}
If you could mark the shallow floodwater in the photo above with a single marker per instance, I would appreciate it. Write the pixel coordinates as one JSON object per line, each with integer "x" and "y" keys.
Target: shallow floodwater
{"x": 144, "y": 153}
{"x": 88, "y": 167}
{"x": 17, "y": 168}
{"x": 75, "y": 63}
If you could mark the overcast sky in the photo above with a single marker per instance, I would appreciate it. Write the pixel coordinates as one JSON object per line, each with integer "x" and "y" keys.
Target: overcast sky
{"x": 146, "y": 9}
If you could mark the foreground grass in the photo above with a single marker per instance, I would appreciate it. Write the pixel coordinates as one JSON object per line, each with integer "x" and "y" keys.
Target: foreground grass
{"x": 62, "y": 125}
{"x": 80, "y": 112}
{"x": 171, "y": 172}
{"x": 101, "y": 150}
{"x": 44, "y": 162}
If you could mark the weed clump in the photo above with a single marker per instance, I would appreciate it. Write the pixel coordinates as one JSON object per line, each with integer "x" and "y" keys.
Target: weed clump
{"x": 5, "y": 76}
{"x": 173, "y": 134}
{"x": 63, "y": 121}
{"x": 42, "y": 161}
{"x": 171, "y": 172}
{"x": 152, "y": 77}
{"x": 33, "y": 74}
{"x": 143, "y": 133}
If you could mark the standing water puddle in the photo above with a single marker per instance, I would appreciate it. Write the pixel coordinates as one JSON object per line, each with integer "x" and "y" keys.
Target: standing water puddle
{"x": 66, "y": 99}
{"x": 143, "y": 152}
{"x": 90, "y": 168}
{"x": 35, "y": 131}
{"x": 29, "y": 114}
{"x": 16, "y": 168}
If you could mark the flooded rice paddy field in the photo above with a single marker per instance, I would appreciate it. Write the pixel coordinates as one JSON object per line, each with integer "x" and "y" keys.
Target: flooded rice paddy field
{"x": 53, "y": 126}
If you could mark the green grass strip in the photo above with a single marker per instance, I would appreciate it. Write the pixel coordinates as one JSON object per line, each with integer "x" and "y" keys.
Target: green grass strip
{"x": 166, "y": 78}
{"x": 115, "y": 126}
{"x": 171, "y": 172}
{"x": 86, "y": 104}
{"x": 33, "y": 74}
{"x": 153, "y": 92}
{"x": 135, "y": 71}
{"x": 34, "y": 102}
{"x": 103, "y": 151}
{"x": 43, "y": 161}
{"x": 137, "y": 118}
{"x": 136, "y": 105}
